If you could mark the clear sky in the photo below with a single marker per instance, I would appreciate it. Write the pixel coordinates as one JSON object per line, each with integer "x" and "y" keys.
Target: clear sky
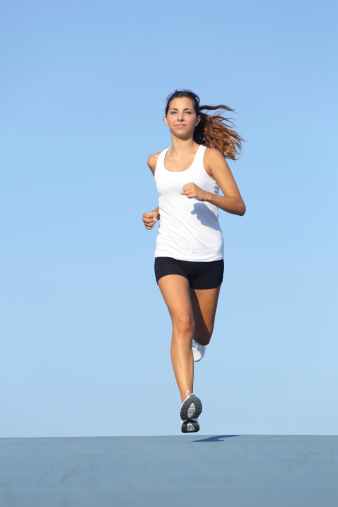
{"x": 85, "y": 335}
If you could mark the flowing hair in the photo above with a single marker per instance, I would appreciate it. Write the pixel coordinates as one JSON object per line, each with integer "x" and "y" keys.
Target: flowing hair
{"x": 213, "y": 131}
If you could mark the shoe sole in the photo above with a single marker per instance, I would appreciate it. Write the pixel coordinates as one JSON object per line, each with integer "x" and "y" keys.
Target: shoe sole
{"x": 190, "y": 426}
{"x": 191, "y": 408}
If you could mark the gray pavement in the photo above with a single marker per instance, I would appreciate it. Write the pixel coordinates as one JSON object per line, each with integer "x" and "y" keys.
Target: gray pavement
{"x": 230, "y": 470}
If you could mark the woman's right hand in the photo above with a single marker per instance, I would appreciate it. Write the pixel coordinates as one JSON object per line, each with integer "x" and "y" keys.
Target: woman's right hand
{"x": 149, "y": 219}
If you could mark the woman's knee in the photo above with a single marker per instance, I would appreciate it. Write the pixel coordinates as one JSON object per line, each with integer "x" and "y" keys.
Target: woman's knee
{"x": 183, "y": 324}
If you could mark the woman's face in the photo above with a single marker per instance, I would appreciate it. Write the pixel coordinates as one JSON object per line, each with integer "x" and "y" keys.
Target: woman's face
{"x": 181, "y": 117}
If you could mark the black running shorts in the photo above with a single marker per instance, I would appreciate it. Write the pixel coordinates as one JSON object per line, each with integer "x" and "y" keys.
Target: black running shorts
{"x": 201, "y": 275}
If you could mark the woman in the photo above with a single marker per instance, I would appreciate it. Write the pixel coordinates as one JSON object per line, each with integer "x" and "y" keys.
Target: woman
{"x": 189, "y": 248}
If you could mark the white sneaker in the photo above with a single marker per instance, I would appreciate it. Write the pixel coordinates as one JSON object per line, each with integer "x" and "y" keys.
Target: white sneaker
{"x": 197, "y": 350}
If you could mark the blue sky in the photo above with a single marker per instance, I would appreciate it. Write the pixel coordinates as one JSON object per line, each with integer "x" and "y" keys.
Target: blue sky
{"x": 85, "y": 334}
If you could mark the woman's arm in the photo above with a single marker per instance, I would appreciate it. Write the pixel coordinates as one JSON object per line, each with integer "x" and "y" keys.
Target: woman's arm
{"x": 218, "y": 169}
{"x": 150, "y": 218}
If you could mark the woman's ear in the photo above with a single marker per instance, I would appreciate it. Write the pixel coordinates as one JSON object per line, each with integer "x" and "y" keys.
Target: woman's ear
{"x": 198, "y": 119}
{"x": 166, "y": 121}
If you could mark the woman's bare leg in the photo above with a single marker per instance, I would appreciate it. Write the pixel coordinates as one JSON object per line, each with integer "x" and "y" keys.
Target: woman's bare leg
{"x": 204, "y": 305}
{"x": 176, "y": 294}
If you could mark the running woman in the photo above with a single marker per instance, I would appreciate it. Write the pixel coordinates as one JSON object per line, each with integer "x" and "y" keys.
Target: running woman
{"x": 189, "y": 247}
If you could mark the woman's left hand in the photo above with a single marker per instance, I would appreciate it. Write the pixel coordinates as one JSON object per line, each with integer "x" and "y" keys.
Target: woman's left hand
{"x": 191, "y": 190}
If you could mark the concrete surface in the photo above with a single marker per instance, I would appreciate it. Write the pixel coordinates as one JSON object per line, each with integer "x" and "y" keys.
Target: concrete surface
{"x": 230, "y": 470}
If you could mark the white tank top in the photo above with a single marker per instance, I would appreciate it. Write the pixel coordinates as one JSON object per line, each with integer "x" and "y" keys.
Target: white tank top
{"x": 189, "y": 229}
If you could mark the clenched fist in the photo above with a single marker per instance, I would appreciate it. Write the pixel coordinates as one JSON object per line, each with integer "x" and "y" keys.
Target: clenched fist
{"x": 150, "y": 219}
{"x": 191, "y": 190}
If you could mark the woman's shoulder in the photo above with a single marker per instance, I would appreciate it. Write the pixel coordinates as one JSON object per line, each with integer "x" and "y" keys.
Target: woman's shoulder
{"x": 213, "y": 154}
{"x": 152, "y": 161}
{"x": 212, "y": 157}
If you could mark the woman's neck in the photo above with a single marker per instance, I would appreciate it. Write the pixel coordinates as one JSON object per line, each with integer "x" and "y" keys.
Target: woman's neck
{"x": 182, "y": 146}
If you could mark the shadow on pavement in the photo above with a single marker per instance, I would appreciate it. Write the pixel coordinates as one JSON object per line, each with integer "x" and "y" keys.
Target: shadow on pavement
{"x": 216, "y": 438}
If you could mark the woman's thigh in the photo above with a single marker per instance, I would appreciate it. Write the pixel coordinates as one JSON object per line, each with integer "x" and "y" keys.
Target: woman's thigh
{"x": 176, "y": 294}
{"x": 204, "y": 305}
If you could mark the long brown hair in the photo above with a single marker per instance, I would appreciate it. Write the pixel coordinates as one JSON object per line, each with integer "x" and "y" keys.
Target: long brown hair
{"x": 214, "y": 131}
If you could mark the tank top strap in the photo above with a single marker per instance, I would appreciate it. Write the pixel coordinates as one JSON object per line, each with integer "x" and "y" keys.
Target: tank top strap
{"x": 160, "y": 161}
{"x": 199, "y": 155}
